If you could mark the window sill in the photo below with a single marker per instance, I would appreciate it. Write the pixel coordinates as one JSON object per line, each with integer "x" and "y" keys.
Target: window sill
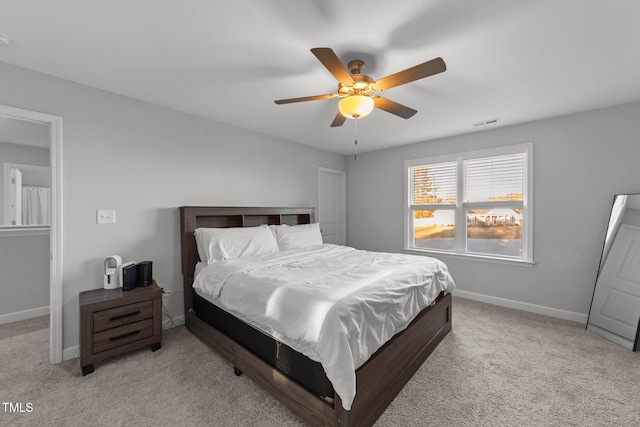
{"x": 473, "y": 257}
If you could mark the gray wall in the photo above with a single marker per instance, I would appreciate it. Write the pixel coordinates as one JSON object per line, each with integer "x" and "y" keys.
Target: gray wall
{"x": 24, "y": 278}
{"x": 145, "y": 161}
{"x": 580, "y": 162}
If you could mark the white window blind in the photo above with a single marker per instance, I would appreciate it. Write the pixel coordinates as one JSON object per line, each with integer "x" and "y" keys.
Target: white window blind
{"x": 434, "y": 184}
{"x": 494, "y": 178}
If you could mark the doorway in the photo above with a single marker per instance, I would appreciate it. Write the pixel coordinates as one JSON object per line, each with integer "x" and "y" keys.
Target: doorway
{"x": 332, "y": 205}
{"x": 55, "y": 228}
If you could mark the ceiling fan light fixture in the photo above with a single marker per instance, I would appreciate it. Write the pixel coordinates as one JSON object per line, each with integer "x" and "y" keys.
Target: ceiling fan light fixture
{"x": 356, "y": 90}
{"x": 355, "y": 106}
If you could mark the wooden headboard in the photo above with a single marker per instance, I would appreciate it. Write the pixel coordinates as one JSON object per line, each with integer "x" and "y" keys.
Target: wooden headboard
{"x": 192, "y": 217}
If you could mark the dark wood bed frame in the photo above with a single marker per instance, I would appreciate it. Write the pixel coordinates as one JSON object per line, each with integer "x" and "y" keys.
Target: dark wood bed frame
{"x": 378, "y": 381}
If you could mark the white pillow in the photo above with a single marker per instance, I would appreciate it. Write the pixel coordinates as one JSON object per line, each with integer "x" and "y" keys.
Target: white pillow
{"x": 297, "y": 236}
{"x": 217, "y": 244}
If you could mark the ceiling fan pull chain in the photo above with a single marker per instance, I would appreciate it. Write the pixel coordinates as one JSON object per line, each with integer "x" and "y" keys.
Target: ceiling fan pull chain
{"x": 355, "y": 148}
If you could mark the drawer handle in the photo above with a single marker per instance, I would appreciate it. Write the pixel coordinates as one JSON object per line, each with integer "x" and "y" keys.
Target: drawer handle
{"x": 119, "y": 337}
{"x": 122, "y": 316}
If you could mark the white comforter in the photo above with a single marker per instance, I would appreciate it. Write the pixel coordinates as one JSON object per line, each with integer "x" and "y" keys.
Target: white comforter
{"x": 335, "y": 304}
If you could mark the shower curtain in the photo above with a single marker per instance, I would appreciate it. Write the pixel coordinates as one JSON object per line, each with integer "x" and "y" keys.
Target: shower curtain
{"x": 35, "y": 204}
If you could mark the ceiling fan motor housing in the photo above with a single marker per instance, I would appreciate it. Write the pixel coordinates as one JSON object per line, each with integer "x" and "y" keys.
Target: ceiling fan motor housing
{"x": 356, "y": 66}
{"x": 361, "y": 86}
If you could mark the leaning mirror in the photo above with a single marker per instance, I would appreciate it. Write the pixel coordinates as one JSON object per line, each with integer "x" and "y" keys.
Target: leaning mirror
{"x": 615, "y": 307}
{"x": 25, "y": 183}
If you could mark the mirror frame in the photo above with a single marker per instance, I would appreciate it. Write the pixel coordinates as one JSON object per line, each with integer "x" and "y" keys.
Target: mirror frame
{"x": 615, "y": 220}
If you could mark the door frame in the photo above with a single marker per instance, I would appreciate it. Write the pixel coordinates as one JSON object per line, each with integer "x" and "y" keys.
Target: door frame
{"x": 343, "y": 201}
{"x": 55, "y": 228}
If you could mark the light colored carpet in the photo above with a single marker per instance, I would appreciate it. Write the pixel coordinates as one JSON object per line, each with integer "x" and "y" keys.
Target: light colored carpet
{"x": 498, "y": 367}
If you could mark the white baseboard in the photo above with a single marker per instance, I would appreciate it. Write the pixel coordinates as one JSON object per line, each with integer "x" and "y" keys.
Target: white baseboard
{"x": 23, "y": 315}
{"x": 532, "y": 308}
{"x": 70, "y": 353}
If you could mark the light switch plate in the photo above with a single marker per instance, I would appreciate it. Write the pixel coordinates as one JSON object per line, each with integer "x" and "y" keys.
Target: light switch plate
{"x": 105, "y": 216}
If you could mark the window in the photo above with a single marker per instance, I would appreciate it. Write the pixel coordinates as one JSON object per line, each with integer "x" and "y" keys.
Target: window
{"x": 476, "y": 203}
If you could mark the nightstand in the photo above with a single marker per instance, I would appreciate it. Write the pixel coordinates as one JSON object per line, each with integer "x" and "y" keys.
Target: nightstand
{"x": 113, "y": 322}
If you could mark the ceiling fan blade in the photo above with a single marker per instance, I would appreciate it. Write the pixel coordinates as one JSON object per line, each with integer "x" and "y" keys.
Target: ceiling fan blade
{"x": 393, "y": 107}
{"x": 418, "y": 72}
{"x": 306, "y": 98}
{"x": 331, "y": 61}
{"x": 338, "y": 120}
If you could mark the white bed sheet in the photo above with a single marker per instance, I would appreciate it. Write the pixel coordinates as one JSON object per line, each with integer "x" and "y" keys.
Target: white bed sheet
{"x": 334, "y": 304}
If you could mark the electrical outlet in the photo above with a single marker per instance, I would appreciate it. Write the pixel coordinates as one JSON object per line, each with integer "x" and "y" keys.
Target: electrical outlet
{"x": 105, "y": 216}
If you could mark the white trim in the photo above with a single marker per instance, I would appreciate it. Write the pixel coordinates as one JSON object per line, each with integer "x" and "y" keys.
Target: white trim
{"x": 524, "y": 306}
{"x": 466, "y": 155}
{"x": 475, "y": 257}
{"x": 71, "y": 352}
{"x": 56, "y": 266}
{"x": 24, "y": 314}
{"x": 55, "y": 239}
{"x": 610, "y": 336}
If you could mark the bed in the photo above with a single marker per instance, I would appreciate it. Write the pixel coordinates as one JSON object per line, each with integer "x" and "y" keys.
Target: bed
{"x": 297, "y": 381}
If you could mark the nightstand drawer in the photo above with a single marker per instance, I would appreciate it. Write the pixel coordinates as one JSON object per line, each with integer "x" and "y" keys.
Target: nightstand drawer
{"x": 116, "y": 337}
{"x": 114, "y": 322}
{"x": 120, "y": 316}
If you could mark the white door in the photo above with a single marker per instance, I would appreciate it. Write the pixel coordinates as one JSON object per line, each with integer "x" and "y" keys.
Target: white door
{"x": 16, "y": 196}
{"x": 332, "y": 208}
{"x": 616, "y": 301}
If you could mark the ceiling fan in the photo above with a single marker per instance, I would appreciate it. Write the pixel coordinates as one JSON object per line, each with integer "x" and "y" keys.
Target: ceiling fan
{"x": 356, "y": 89}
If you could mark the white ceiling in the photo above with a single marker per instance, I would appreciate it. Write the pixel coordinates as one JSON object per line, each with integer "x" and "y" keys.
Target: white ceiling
{"x": 515, "y": 60}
